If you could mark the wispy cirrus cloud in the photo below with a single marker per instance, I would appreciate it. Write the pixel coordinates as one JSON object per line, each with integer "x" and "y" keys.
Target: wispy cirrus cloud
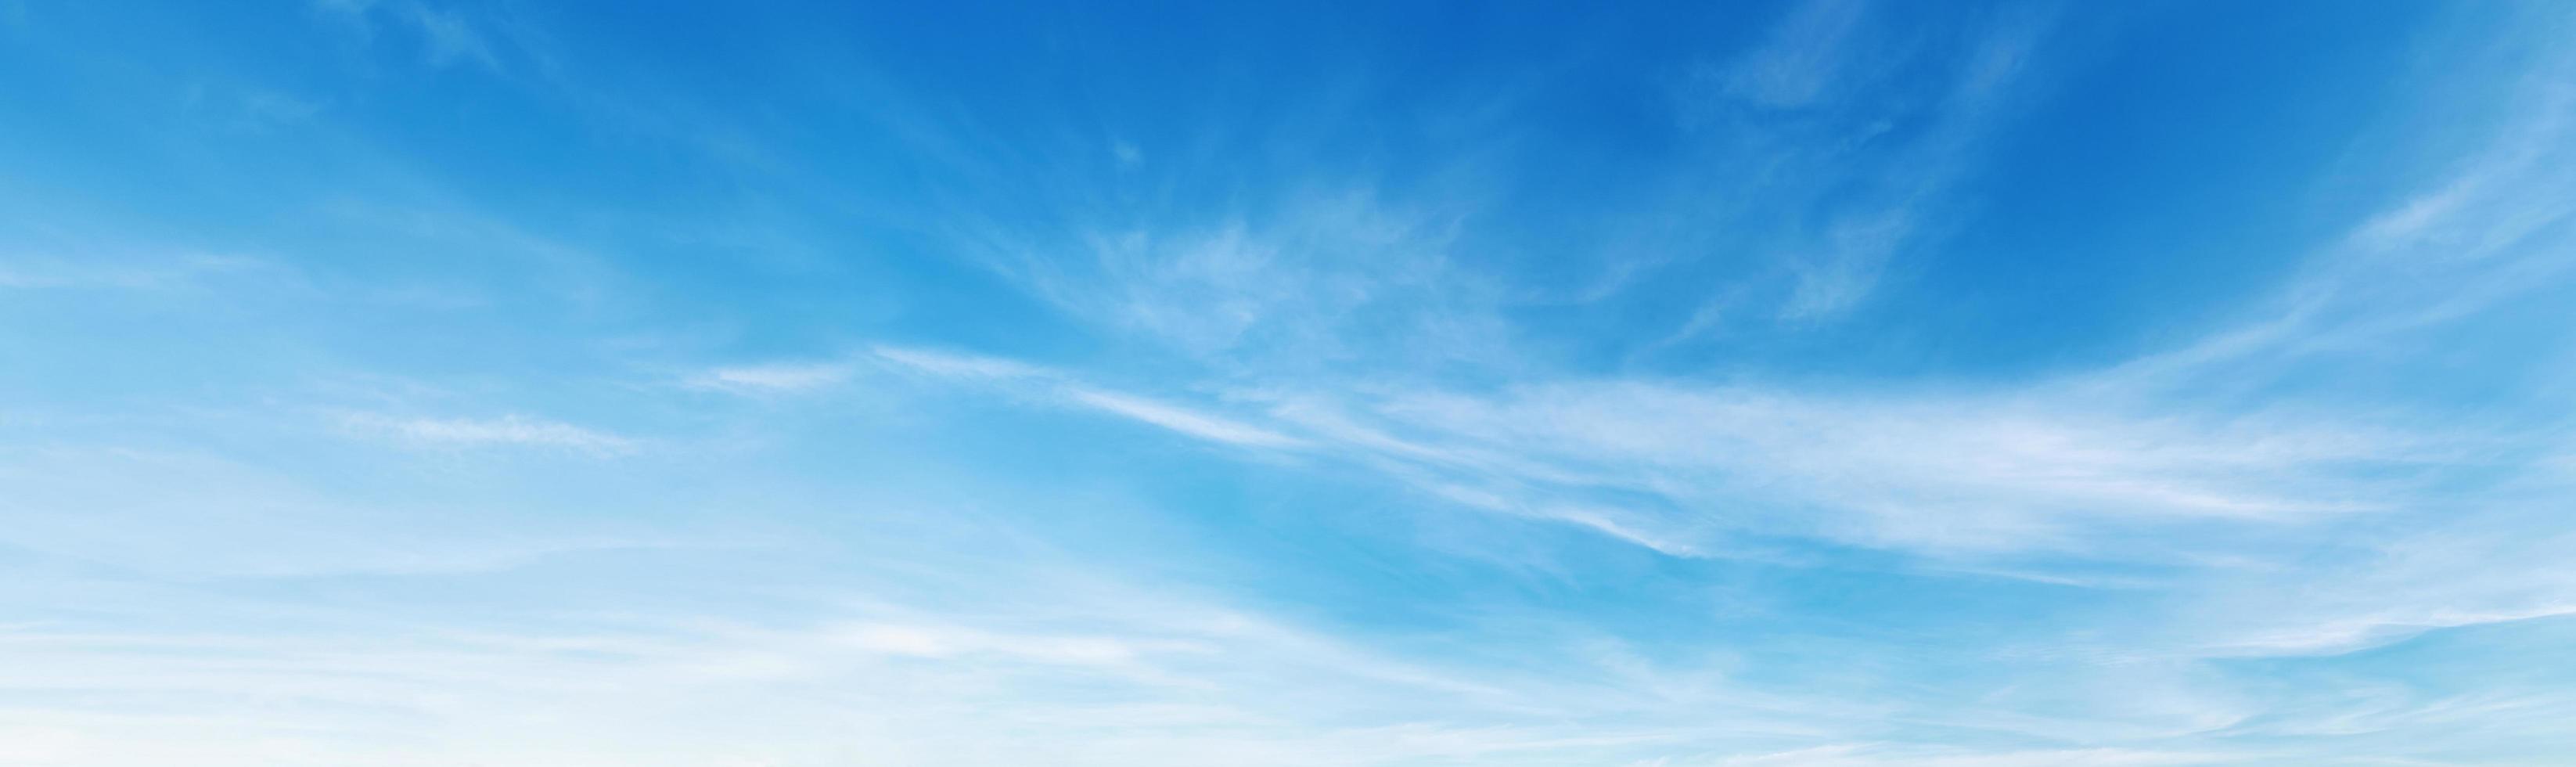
{"x": 772, "y": 378}
{"x": 1586, "y": 312}
{"x": 1337, "y": 271}
{"x": 502, "y": 431}
{"x": 1086, "y": 676}
{"x": 962, "y": 365}
{"x": 446, "y": 34}
{"x": 1058, "y": 387}
{"x": 1996, "y": 472}
{"x": 2143, "y": 461}
{"x": 1801, "y": 57}
{"x": 93, "y": 272}
{"x": 1884, "y": 755}
{"x": 1836, "y": 191}
{"x": 1182, "y": 419}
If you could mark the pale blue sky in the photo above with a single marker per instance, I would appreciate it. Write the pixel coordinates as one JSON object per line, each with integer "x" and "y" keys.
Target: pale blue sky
{"x": 1826, "y": 384}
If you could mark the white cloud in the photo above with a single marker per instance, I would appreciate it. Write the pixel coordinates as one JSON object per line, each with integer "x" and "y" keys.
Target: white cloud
{"x": 1800, "y": 159}
{"x": 508, "y": 430}
{"x": 446, "y": 35}
{"x": 1324, "y": 275}
{"x": 1111, "y": 678}
{"x": 963, "y": 366}
{"x": 1885, "y": 755}
{"x": 451, "y": 38}
{"x": 789, "y": 377}
{"x": 30, "y": 272}
{"x": 212, "y": 517}
{"x": 1802, "y": 57}
{"x": 1182, "y": 420}
{"x": 1056, "y": 386}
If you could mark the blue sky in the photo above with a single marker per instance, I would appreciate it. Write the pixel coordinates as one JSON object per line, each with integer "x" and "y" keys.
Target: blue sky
{"x": 1825, "y": 383}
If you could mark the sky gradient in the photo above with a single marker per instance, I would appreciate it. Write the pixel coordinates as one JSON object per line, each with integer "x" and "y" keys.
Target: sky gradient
{"x": 1823, "y": 383}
